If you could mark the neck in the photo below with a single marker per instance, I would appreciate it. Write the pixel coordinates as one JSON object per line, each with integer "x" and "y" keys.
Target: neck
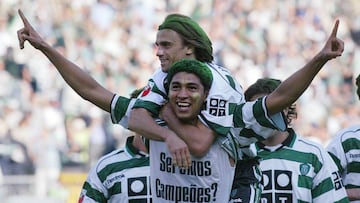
{"x": 139, "y": 144}
{"x": 277, "y": 138}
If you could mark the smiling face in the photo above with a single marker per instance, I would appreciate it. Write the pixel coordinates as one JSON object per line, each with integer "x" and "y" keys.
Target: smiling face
{"x": 170, "y": 48}
{"x": 186, "y": 96}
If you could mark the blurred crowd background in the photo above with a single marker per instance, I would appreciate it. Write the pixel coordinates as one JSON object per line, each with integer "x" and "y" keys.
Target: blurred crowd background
{"x": 113, "y": 41}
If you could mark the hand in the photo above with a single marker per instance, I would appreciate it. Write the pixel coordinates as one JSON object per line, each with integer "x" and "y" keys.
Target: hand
{"x": 28, "y": 33}
{"x": 179, "y": 151}
{"x": 334, "y": 46}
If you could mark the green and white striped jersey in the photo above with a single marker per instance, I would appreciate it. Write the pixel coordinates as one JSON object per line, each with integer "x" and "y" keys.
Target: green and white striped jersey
{"x": 237, "y": 123}
{"x": 344, "y": 148}
{"x": 299, "y": 170}
{"x": 207, "y": 180}
{"x": 122, "y": 176}
{"x": 225, "y": 93}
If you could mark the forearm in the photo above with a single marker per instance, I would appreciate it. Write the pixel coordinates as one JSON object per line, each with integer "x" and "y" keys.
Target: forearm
{"x": 353, "y": 194}
{"x": 141, "y": 122}
{"x": 80, "y": 81}
{"x": 198, "y": 138}
{"x": 294, "y": 86}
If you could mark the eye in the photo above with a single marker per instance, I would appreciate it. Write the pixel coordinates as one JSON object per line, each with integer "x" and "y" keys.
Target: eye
{"x": 193, "y": 87}
{"x": 174, "y": 87}
{"x": 165, "y": 44}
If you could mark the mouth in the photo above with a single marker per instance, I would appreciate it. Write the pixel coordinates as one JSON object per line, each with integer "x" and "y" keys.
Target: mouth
{"x": 183, "y": 106}
{"x": 163, "y": 62}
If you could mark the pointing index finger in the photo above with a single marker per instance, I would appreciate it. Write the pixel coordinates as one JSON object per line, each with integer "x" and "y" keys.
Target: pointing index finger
{"x": 335, "y": 29}
{"x": 23, "y": 18}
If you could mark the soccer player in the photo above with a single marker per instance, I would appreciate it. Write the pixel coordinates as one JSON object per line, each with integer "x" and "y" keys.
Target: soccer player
{"x": 344, "y": 149}
{"x": 294, "y": 169}
{"x": 122, "y": 175}
{"x": 209, "y": 177}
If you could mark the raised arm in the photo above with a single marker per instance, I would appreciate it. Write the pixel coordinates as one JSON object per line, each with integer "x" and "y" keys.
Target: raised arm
{"x": 293, "y": 87}
{"x": 74, "y": 76}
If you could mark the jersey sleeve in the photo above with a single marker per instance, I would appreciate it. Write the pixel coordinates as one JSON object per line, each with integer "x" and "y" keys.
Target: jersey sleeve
{"x": 225, "y": 93}
{"x": 154, "y": 95}
{"x": 337, "y": 153}
{"x": 340, "y": 194}
{"x": 252, "y": 122}
{"x": 93, "y": 191}
{"x": 120, "y": 110}
{"x": 322, "y": 190}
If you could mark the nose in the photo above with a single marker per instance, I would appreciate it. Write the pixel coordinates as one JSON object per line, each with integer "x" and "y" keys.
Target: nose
{"x": 182, "y": 93}
{"x": 159, "y": 51}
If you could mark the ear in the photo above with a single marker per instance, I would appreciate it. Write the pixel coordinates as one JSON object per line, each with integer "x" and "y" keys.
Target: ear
{"x": 206, "y": 94}
{"x": 189, "y": 50}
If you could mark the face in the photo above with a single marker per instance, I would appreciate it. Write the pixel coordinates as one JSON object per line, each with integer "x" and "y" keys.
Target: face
{"x": 170, "y": 48}
{"x": 186, "y": 96}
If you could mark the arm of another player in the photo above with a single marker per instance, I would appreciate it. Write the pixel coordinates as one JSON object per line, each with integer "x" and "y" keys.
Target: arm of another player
{"x": 74, "y": 76}
{"x": 140, "y": 117}
{"x": 293, "y": 87}
{"x": 198, "y": 138}
{"x": 353, "y": 194}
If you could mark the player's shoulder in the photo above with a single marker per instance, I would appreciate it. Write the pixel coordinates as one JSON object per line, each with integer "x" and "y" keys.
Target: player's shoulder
{"x": 218, "y": 68}
{"x": 114, "y": 156}
{"x": 309, "y": 145}
{"x": 158, "y": 73}
{"x": 349, "y": 132}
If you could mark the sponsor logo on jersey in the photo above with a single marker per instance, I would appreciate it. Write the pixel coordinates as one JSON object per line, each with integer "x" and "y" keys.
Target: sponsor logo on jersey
{"x": 337, "y": 180}
{"x": 304, "y": 168}
{"x": 277, "y": 186}
{"x": 138, "y": 189}
{"x": 217, "y": 107}
{"x": 147, "y": 89}
{"x": 354, "y": 156}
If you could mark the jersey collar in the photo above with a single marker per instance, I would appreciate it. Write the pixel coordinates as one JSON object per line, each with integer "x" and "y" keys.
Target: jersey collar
{"x": 132, "y": 150}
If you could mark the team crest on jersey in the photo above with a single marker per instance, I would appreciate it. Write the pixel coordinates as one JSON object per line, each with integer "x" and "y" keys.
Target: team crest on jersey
{"x": 217, "y": 107}
{"x": 147, "y": 89}
{"x": 304, "y": 169}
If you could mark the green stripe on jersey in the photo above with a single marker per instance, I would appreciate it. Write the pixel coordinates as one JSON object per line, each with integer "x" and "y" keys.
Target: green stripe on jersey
{"x": 93, "y": 193}
{"x": 248, "y": 133}
{"x": 153, "y": 108}
{"x": 231, "y": 81}
{"x": 337, "y": 162}
{"x": 115, "y": 189}
{"x": 325, "y": 186}
{"x": 343, "y": 200}
{"x": 116, "y": 167}
{"x": 353, "y": 167}
{"x": 305, "y": 182}
{"x": 260, "y": 116}
{"x": 121, "y": 107}
{"x": 291, "y": 155}
{"x": 350, "y": 144}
